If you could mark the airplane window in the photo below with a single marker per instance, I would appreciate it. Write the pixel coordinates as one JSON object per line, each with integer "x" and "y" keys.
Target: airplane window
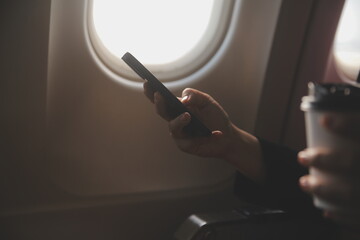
{"x": 165, "y": 35}
{"x": 347, "y": 41}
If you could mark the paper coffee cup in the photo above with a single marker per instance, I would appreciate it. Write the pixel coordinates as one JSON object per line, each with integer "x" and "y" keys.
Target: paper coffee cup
{"x": 334, "y": 99}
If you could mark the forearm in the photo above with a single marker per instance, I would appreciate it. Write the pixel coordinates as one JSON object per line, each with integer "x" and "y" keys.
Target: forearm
{"x": 244, "y": 152}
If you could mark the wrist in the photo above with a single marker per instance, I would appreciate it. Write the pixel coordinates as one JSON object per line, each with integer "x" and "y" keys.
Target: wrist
{"x": 244, "y": 152}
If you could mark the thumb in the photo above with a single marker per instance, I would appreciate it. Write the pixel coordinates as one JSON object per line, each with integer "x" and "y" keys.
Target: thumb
{"x": 195, "y": 97}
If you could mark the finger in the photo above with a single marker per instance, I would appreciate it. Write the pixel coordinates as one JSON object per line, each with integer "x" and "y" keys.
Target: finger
{"x": 330, "y": 159}
{"x": 315, "y": 157}
{"x": 177, "y": 125}
{"x": 346, "y": 124}
{"x": 214, "y": 139}
{"x": 160, "y": 106}
{"x": 200, "y": 146}
{"x": 331, "y": 189}
{"x": 148, "y": 91}
{"x": 195, "y": 97}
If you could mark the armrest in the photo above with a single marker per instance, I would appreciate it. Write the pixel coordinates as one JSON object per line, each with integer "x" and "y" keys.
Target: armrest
{"x": 206, "y": 226}
{"x": 251, "y": 223}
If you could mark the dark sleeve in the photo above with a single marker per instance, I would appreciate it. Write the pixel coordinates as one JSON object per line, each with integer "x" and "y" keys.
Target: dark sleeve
{"x": 281, "y": 189}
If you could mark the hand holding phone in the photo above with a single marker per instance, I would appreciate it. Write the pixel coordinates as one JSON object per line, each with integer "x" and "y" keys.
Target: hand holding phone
{"x": 195, "y": 128}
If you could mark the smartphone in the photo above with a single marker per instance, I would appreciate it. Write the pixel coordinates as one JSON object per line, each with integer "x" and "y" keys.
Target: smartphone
{"x": 195, "y": 128}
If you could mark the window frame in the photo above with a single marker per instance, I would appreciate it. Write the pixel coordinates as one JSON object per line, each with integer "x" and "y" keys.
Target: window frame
{"x": 344, "y": 70}
{"x": 201, "y": 60}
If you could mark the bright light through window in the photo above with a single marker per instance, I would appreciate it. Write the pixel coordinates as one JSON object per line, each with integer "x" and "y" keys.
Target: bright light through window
{"x": 156, "y": 31}
{"x": 347, "y": 42}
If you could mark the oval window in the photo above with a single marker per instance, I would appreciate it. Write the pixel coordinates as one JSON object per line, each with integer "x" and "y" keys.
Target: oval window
{"x": 172, "y": 38}
{"x": 347, "y": 41}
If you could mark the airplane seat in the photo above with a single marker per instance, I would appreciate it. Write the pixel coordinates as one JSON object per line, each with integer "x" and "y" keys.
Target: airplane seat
{"x": 251, "y": 222}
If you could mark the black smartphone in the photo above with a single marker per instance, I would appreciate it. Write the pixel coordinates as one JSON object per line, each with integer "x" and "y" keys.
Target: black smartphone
{"x": 174, "y": 106}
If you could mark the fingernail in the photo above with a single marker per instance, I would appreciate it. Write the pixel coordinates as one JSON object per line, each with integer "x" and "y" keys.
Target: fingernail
{"x": 185, "y": 98}
{"x": 156, "y": 96}
{"x": 185, "y": 117}
{"x": 304, "y": 183}
{"x": 307, "y": 182}
{"x": 217, "y": 133}
{"x": 304, "y": 157}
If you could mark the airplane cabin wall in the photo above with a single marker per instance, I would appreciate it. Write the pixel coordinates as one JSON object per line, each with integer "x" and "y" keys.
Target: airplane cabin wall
{"x": 312, "y": 65}
{"x": 301, "y": 53}
{"x": 32, "y": 206}
{"x": 23, "y": 58}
